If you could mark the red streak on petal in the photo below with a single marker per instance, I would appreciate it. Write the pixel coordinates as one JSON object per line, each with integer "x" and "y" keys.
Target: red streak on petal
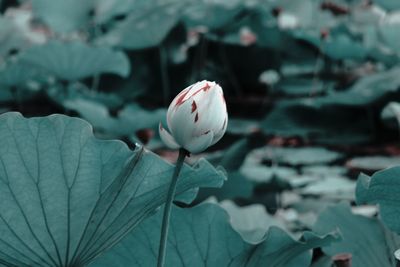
{"x": 194, "y": 106}
{"x": 205, "y": 88}
{"x": 181, "y": 97}
{"x": 196, "y": 118}
{"x": 183, "y": 94}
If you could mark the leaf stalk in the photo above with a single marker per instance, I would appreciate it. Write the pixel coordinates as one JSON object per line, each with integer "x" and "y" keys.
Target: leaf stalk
{"x": 168, "y": 205}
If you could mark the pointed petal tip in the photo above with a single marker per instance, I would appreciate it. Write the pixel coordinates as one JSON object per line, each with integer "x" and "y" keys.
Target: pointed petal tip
{"x": 167, "y": 138}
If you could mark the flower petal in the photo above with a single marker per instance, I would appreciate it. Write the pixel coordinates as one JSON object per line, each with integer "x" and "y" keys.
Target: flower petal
{"x": 167, "y": 138}
{"x": 212, "y": 110}
{"x": 199, "y": 143}
{"x": 181, "y": 123}
{"x": 197, "y": 112}
{"x": 218, "y": 134}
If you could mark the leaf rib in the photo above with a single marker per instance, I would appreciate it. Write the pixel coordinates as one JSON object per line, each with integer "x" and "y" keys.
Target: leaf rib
{"x": 25, "y": 217}
{"x": 123, "y": 175}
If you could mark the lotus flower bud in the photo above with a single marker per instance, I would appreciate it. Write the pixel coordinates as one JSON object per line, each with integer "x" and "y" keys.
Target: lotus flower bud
{"x": 196, "y": 118}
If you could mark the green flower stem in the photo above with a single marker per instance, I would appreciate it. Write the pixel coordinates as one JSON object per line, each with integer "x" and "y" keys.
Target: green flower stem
{"x": 168, "y": 205}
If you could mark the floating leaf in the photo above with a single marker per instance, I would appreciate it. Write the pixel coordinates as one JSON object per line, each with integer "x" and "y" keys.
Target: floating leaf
{"x": 366, "y": 239}
{"x": 242, "y": 126}
{"x": 252, "y": 222}
{"x": 339, "y": 46}
{"x": 76, "y": 60}
{"x": 212, "y": 14}
{"x": 16, "y": 74}
{"x": 264, "y": 174}
{"x": 129, "y": 119}
{"x": 95, "y": 108}
{"x": 373, "y": 163}
{"x": 366, "y": 90}
{"x": 335, "y": 187}
{"x": 202, "y": 236}
{"x": 323, "y": 170}
{"x": 64, "y": 16}
{"x": 297, "y": 86}
{"x": 144, "y": 27}
{"x": 296, "y": 156}
{"x": 66, "y": 196}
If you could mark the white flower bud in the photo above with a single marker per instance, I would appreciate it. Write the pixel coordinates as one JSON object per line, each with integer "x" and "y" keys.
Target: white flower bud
{"x": 197, "y": 118}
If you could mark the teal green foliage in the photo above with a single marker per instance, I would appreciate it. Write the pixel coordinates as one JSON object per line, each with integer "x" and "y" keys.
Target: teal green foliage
{"x": 368, "y": 241}
{"x": 382, "y": 188}
{"x": 312, "y": 89}
{"x": 202, "y": 236}
{"x": 66, "y": 197}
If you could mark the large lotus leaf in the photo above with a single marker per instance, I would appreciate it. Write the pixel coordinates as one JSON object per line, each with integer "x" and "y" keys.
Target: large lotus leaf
{"x": 366, "y": 239}
{"x": 202, "y": 236}
{"x": 63, "y": 16}
{"x": 382, "y": 188}
{"x": 66, "y": 196}
{"x": 76, "y": 60}
{"x": 144, "y": 27}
